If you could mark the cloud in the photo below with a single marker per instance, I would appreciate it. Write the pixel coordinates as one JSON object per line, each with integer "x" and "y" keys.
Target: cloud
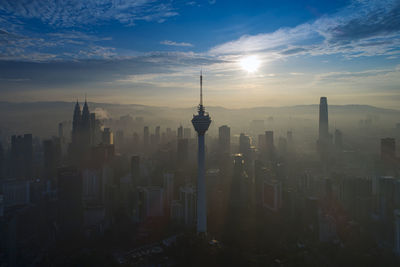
{"x": 172, "y": 43}
{"x": 77, "y": 13}
{"x": 101, "y": 113}
{"x": 364, "y": 28}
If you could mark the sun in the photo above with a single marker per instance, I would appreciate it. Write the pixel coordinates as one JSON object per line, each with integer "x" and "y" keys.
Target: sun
{"x": 250, "y": 63}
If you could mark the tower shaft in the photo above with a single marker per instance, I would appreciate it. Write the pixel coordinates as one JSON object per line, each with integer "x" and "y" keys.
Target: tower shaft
{"x": 201, "y": 188}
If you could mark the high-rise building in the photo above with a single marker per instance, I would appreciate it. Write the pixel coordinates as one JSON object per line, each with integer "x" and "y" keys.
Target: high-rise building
{"x": 338, "y": 139}
{"x": 69, "y": 203}
{"x": 146, "y": 136}
{"x": 201, "y": 122}
{"x": 135, "y": 170}
{"x": 21, "y": 156}
{"x": 244, "y": 144}
{"x": 60, "y": 130}
{"x": 157, "y": 135}
{"x": 107, "y": 137}
{"x": 323, "y": 120}
{"x": 180, "y": 132}
{"x": 224, "y": 139}
{"x": 269, "y": 142}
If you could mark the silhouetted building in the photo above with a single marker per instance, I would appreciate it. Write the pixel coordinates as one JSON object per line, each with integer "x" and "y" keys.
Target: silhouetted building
{"x": 224, "y": 139}
{"x": 338, "y": 139}
{"x": 52, "y": 158}
{"x": 107, "y": 137}
{"x": 323, "y": 137}
{"x": 157, "y": 135}
{"x": 70, "y": 209}
{"x": 180, "y": 132}
{"x": 323, "y": 120}
{"x": 146, "y": 136}
{"x": 135, "y": 170}
{"x": 21, "y": 157}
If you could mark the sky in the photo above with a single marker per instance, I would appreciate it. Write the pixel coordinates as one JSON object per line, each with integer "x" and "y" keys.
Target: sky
{"x": 251, "y": 53}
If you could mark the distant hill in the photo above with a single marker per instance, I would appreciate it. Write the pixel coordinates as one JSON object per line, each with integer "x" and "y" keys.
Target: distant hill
{"x": 42, "y": 118}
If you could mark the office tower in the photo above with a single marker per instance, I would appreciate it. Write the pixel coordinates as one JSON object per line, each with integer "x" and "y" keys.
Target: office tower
{"x": 146, "y": 136}
{"x": 201, "y": 122}
{"x": 261, "y": 143}
{"x": 168, "y": 188}
{"x": 119, "y": 139}
{"x": 180, "y": 132}
{"x": 94, "y": 129}
{"x": 187, "y": 133}
{"x": 135, "y": 170}
{"x": 338, "y": 139}
{"x": 282, "y": 145}
{"x": 244, "y": 144}
{"x": 269, "y": 144}
{"x": 323, "y": 120}
{"x": 187, "y": 197}
{"x": 76, "y": 123}
{"x": 60, "y": 130}
{"x": 182, "y": 150}
{"x": 82, "y": 133}
{"x": 157, "y": 135}
{"x": 224, "y": 139}
{"x": 21, "y": 156}
{"x": 52, "y": 157}
{"x": 240, "y": 190}
{"x": 107, "y": 137}
{"x": 388, "y": 149}
{"x": 85, "y": 132}
{"x": 69, "y": 203}
{"x": 135, "y": 141}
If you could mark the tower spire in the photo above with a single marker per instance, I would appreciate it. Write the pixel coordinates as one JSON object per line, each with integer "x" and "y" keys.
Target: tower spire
{"x": 201, "y": 87}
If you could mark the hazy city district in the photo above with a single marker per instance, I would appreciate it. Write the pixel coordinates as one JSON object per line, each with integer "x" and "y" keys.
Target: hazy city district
{"x": 286, "y": 186}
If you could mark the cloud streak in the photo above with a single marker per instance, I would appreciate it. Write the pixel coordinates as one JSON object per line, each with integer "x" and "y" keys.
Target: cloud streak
{"x": 77, "y": 13}
{"x": 364, "y": 28}
{"x": 172, "y": 43}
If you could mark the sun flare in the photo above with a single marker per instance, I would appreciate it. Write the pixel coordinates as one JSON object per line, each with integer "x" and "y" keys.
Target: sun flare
{"x": 250, "y": 63}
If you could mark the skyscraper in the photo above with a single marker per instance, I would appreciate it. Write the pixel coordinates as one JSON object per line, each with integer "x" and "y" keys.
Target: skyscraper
{"x": 323, "y": 120}
{"x": 201, "y": 122}
{"x": 146, "y": 136}
{"x": 180, "y": 132}
{"x": 224, "y": 139}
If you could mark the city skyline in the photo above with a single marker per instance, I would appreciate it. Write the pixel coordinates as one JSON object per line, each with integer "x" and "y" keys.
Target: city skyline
{"x": 253, "y": 54}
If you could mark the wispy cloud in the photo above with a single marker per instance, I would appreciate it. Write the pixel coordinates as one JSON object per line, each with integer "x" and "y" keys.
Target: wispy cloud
{"x": 77, "y": 13}
{"x": 172, "y": 43}
{"x": 363, "y": 28}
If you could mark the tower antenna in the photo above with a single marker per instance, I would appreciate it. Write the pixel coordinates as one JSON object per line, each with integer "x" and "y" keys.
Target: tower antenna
{"x": 201, "y": 87}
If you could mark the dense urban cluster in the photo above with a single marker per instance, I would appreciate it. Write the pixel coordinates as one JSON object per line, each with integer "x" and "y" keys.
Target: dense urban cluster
{"x": 110, "y": 192}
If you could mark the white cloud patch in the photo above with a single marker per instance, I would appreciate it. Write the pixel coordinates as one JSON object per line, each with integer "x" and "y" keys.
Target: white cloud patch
{"x": 172, "y": 43}
{"x": 365, "y": 28}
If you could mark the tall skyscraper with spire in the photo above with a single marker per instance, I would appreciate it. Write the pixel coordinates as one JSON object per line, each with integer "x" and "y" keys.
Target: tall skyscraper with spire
{"x": 323, "y": 120}
{"x": 323, "y": 137}
{"x": 201, "y": 122}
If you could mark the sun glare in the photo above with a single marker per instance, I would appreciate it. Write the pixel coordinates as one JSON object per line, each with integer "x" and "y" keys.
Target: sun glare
{"x": 250, "y": 63}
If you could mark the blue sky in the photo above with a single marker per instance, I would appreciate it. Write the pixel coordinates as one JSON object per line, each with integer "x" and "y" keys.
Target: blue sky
{"x": 150, "y": 52}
